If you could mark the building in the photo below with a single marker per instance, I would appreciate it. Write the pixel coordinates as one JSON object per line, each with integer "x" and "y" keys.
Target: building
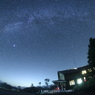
{"x": 68, "y": 79}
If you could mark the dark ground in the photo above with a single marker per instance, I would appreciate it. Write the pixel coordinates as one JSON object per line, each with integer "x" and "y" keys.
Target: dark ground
{"x": 74, "y": 93}
{"x": 3, "y": 92}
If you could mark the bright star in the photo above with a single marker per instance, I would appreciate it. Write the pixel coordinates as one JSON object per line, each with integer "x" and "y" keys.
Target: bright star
{"x": 14, "y": 45}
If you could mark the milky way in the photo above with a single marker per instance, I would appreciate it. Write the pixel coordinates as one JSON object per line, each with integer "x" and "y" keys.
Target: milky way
{"x": 40, "y": 37}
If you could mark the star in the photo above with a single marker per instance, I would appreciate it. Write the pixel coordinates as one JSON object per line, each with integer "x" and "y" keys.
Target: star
{"x": 14, "y": 45}
{"x": 42, "y": 37}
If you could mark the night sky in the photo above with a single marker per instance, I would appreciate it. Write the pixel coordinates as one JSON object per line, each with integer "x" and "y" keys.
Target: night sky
{"x": 40, "y": 37}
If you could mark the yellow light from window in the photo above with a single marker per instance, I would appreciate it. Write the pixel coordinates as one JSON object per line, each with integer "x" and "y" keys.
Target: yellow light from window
{"x": 84, "y": 72}
{"x": 89, "y": 70}
{"x": 72, "y": 82}
{"x": 93, "y": 68}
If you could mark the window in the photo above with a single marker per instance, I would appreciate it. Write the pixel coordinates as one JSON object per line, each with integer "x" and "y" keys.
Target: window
{"x": 84, "y": 78}
{"x": 93, "y": 68}
{"x": 84, "y": 72}
{"x": 72, "y": 82}
{"x": 61, "y": 76}
{"x": 89, "y": 70}
{"x": 79, "y": 81}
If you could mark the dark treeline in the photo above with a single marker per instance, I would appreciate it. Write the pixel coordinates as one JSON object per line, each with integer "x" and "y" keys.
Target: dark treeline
{"x": 6, "y": 86}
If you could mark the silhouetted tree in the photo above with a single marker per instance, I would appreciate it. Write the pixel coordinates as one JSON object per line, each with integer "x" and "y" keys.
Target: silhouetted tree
{"x": 5, "y": 85}
{"x": 46, "y": 81}
{"x": 19, "y": 88}
{"x": 39, "y": 83}
{"x": 32, "y": 85}
{"x": 91, "y": 52}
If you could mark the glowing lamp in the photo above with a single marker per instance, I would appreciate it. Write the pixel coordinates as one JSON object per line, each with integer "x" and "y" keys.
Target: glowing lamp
{"x": 79, "y": 81}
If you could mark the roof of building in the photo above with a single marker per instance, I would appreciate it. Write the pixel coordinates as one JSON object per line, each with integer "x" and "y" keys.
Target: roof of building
{"x": 73, "y": 70}
{"x": 59, "y": 81}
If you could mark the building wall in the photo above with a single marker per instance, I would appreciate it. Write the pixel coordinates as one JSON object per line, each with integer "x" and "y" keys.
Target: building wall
{"x": 74, "y": 77}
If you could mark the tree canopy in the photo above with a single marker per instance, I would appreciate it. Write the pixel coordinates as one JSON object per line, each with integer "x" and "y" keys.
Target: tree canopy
{"x": 46, "y": 81}
{"x": 91, "y": 52}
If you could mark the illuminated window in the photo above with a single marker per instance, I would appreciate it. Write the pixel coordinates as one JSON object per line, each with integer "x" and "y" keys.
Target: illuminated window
{"x": 84, "y": 78}
{"x": 84, "y": 72}
{"x": 72, "y": 82}
{"x": 89, "y": 70}
{"x": 93, "y": 68}
{"x": 79, "y": 81}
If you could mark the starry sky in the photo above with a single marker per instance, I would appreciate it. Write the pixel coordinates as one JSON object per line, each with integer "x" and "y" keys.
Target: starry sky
{"x": 40, "y": 37}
